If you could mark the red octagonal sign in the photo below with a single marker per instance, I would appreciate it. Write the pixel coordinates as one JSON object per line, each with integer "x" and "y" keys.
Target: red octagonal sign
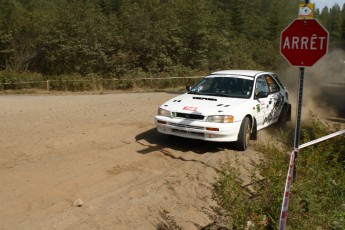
{"x": 304, "y": 42}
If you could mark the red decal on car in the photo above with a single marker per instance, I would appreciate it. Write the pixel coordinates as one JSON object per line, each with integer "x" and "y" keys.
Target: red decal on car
{"x": 190, "y": 108}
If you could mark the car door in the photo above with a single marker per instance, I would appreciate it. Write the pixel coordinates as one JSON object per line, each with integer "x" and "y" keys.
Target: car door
{"x": 275, "y": 100}
{"x": 261, "y": 104}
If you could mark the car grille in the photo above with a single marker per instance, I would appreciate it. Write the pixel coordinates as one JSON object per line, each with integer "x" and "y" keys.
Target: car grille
{"x": 186, "y": 126}
{"x": 189, "y": 133}
{"x": 190, "y": 116}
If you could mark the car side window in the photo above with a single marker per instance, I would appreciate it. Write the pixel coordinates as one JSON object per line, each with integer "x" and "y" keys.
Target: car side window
{"x": 261, "y": 85}
{"x": 278, "y": 80}
{"x": 272, "y": 84}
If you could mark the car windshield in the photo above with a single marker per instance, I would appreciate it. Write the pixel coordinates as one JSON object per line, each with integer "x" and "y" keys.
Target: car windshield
{"x": 225, "y": 86}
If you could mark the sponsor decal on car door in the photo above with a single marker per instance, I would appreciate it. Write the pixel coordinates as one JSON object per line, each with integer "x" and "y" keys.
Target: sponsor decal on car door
{"x": 275, "y": 101}
{"x": 261, "y": 103}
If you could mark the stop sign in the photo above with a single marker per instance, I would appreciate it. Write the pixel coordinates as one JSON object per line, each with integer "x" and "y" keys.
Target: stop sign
{"x": 304, "y": 42}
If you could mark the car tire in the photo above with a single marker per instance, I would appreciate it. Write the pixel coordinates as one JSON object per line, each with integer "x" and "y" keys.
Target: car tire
{"x": 283, "y": 116}
{"x": 244, "y": 135}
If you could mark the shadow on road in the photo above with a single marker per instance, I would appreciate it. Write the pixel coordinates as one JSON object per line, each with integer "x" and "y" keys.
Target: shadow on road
{"x": 336, "y": 120}
{"x": 154, "y": 141}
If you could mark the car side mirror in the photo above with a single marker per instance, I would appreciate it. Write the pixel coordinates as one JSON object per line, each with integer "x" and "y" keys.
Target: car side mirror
{"x": 188, "y": 88}
{"x": 261, "y": 94}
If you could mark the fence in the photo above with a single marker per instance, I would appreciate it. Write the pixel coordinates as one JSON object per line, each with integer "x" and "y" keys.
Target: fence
{"x": 101, "y": 84}
{"x": 289, "y": 177}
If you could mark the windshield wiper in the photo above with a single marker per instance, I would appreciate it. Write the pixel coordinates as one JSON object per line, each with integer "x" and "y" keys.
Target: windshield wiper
{"x": 193, "y": 92}
{"x": 219, "y": 94}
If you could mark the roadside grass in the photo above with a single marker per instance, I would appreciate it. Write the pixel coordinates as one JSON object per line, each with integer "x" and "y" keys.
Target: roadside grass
{"x": 21, "y": 83}
{"x": 317, "y": 199}
{"x": 167, "y": 222}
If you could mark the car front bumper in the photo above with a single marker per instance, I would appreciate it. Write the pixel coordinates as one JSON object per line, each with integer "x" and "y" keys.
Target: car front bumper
{"x": 195, "y": 129}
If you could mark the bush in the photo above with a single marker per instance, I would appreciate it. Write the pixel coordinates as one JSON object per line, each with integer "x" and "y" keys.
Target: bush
{"x": 92, "y": 82}
{"x": 16, "y": 81}
{"x": 317, "y": 195}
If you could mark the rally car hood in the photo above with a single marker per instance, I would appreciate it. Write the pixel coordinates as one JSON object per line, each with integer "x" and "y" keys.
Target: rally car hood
{"x": 202, "y": 105}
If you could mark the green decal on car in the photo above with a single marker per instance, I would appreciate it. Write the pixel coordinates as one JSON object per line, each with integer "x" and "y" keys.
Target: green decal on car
{"x": 258, "y": 108}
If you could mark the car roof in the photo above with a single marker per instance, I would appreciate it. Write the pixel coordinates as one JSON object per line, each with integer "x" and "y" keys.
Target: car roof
{"x": 248, "y": 73}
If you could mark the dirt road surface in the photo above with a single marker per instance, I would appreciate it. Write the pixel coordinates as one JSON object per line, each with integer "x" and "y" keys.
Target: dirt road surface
{"x": 97, "y": 162}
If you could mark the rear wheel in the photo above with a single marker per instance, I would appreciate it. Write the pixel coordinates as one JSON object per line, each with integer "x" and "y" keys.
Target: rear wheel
{"x": 244, "y": 135}
{"x": 283, "y": 117}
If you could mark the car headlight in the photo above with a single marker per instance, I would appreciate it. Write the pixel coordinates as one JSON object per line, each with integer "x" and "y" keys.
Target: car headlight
{"x": 220, "y": 119}
{"x": 164, "y": 112}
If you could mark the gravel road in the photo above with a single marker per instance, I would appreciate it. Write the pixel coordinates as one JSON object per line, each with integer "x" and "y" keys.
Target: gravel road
{"x": 97, "y": 162}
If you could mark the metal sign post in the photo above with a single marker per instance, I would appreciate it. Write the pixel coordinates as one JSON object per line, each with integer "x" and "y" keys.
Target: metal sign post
{"x": 298, "y": 117}
{"x": 292, "y": 166}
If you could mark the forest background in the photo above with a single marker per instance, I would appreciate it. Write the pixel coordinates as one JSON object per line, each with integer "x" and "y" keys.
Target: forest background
{"x": 93, "y": 40}
{"x": 83, "y": 39}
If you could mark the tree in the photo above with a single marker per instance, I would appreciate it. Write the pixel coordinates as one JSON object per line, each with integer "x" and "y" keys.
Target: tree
{"x": 335, "y": 22}
{"x": 121, "y": 37}
{"x": 343, "y": 24}
{"x": 324, "y": 17}
{"x": 17, "y": 32}
{"x": 79, "y": 39}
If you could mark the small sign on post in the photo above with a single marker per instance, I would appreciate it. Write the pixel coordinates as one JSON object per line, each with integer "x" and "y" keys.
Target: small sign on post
{"x": 306, "y": 11}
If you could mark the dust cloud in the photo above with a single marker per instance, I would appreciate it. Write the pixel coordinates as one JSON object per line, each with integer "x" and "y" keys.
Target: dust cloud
{"x": 323, "y": 88}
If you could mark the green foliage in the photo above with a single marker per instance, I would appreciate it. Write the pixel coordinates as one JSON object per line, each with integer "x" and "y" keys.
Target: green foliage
{"x": 343, "y": 24}
{"x": 81, "y": 41}
{"x": 318, "y": 194}
{"x": 333, "y": 19}
{"x": 118, "y": 37}
{"x": 135, "y": 80}
{"x": 10, "y": 80}
{"x": 74, "y": 83}
{"x": 336, "y": 21}
{"x": 260, "y": 207}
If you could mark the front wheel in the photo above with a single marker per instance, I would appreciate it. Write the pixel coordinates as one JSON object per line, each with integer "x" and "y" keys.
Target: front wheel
{"x": 244, "y": 135}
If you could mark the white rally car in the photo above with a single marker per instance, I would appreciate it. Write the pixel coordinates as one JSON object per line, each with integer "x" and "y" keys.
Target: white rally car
{"x": 226, "y": 106}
